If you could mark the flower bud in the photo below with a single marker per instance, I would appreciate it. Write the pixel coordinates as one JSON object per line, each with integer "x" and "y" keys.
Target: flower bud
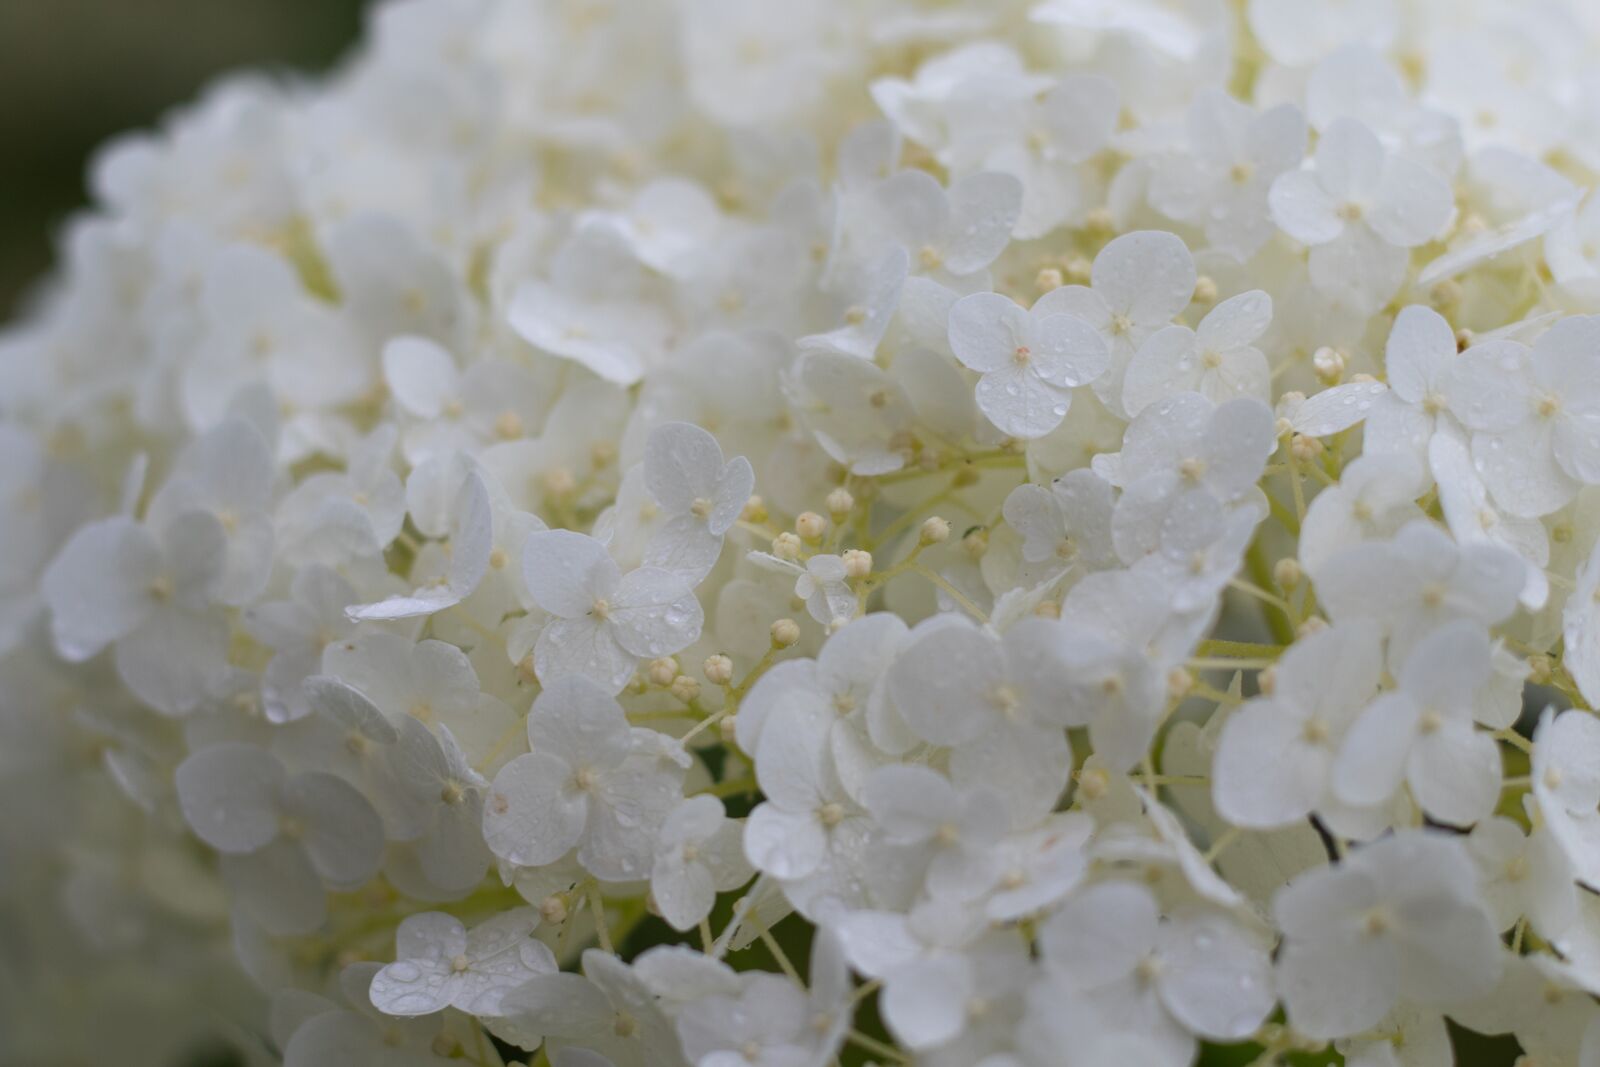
{"x": 1205, "y": 289}
{"x": 840, "y": 503}
{"x": 718, "y": 669}
{"x": 553, "y": 909}
{"x": 686, "y": 689}
{"x": 1304, "y": 448}
{"x": 662, "y": 671}
{"x": 558, "y": 481}
{"x": 810, "y": 526}
{"x": 1287, "y": 572}
{"x": 1446, "y": 294}
{"x": 786, "y": 546}
{"x": 857, "y": 563}
{"x": 1048, "y": 279}
{"x": 755, "y": 510}
{"x": 1328, "y": 363}
{"x": 785, "y": 632}
{"x": 934, "y": 531}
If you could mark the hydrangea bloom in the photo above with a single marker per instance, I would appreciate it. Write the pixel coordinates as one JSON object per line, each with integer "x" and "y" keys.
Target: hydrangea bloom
{"x": 740, "y": 532}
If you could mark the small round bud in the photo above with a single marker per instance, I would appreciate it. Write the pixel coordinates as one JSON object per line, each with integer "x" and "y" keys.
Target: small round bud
{"x": 553, "y": 909}
{"x": 1267, "y": 680}
{"x": 786, "y": 546}
{"x": 1205, "y": 289}
{"x": 837, "y": 623}
{"x": 1362, "y": 377}
{"x": 755, "y": 510}
{"x": 934, "y": 531}
{"x": 1179, "y": 683}
{"x": 1079, "y": 270}
{"x": 1464, "y": 339}
{"x": 1328, "y": 363}
{"x": 1305, "y": 449}
{"x": 728, "y": 730}
{"x": 1282, "y": 428}
{"x": 718, "y": 669}
{"x": 558, "y": 481}
{"x": 1048, "y": 279}
{"x": 785, "y": 632}
{"x": 1540, "y": 670}
{"x": 976, "y": 543}
{"x": 1447, "y": 294}
{"x": 508, "y": 426}
{"x": 840, "y": 502}
{"x": 1287, "y": 572}
{"x": 662, "y": 671}
{"x": 857, "y": 563}
{"x": 1094, "y": 783}
{"x": 686, "y": 689}
{"x": 810, "y": 526}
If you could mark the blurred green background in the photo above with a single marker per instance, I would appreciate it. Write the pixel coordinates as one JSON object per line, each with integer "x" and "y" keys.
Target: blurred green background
{"x": 75, "y": 72}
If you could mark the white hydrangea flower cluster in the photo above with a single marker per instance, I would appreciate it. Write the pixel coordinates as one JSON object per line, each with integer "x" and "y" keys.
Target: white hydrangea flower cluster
{"x": 1085, "y": 513}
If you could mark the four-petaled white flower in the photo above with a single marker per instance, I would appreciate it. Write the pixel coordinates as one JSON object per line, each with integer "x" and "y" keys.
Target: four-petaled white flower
{"x": 1029, "y": 361}
{"x": 586, "y": 781}
{"x": 440, "y": 964}
{"x": 1218, "y": 360}
{"x": 282, "y": 837}
{"x": 1398, "y": 919}
{"x": 1360, "y": 207}
{"x": 699, "y": 494}
{"x": 699, "y": 853}
{"x": 603, "y": 621}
